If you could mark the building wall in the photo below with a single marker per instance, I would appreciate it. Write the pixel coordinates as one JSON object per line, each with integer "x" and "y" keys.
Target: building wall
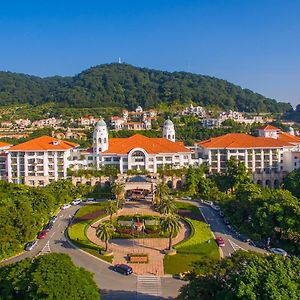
{"x": 37, "y": 166}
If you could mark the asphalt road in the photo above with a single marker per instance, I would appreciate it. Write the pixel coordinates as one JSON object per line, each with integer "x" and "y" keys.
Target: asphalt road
{"x": 114, "y": 286}
{"x": 219, "y": 228}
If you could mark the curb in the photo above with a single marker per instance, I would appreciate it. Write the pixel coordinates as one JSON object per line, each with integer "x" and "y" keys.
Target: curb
{"x": 76, "y": 247}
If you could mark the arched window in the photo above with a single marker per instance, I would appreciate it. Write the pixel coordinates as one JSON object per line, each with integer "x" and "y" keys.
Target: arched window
{"x": 138, "y": 156}
{"x": 104, "y": 141}
{"x": 169, "y": 136}
{"x": 100, "y": 140}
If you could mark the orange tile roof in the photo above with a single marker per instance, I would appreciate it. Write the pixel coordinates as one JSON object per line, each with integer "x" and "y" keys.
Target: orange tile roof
{"x": 242, "y": 140}
{"x": 2, "y": 145}
{"x": 297, "y": 154}
{"x": 150, "y": 145}
{"x": 288, "y": 138}
{"x": 43, "y": 143}
{"x": 268, "y": 127}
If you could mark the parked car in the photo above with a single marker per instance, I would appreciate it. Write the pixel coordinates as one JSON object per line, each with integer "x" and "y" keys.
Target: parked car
{"x": 279, "y": 251}
{"x": 53, "y": 219}
{"x": 220, "y": 241}
{"x": 42, "y": 234}
{"x": 215, "y": 207}
{"x": 65, "y": 206}
{"x": 123, "y": 269}
{"x": 183, "y": 276}
{"x": 210, "y": 203}
{"x": 48, "y": 226}
{"x": 31, "y": 245}
{"x": 186, "y": 198}
{"x": 90, "y": 199}
{"x": 226, "y": 222}
{"x": 76, "y": 202}
{"x": 221, "y": 214}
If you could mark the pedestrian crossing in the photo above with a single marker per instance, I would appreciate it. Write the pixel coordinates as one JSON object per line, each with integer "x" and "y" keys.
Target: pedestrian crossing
{"x": 46, "y": 249}
{"x": 235, "y": 246}
{"x": 148, "y": 287}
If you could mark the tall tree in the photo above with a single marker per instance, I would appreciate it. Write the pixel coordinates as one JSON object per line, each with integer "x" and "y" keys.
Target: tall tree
{"x": 118, "y": 189}
{"x": 167, "y": 206}
{"x": 111, "y": 209}
{"x": 161, "y": 191}
{"x": 170, "y": 224}
{"x": 104, "y": 232}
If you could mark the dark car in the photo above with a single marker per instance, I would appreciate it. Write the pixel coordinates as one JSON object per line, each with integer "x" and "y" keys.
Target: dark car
{"x": 48, "y": 226}
{"x": 123, "y": 269}
{"x": 42, "y": 234}
{"x": 226, "y": 221}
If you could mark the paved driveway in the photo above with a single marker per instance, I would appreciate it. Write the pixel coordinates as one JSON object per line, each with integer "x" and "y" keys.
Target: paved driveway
{"x": 112, "y": 284}
{"x": 219, "y": 228}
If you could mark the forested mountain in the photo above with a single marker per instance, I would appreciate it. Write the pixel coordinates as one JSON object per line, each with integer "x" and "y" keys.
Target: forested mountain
{"x": 128, "y": 86}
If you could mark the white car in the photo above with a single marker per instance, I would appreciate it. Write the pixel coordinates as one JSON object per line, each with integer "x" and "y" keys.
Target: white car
{"x": 279, "y": 251}
{"x": 31, "y": 245}
{"x": 65, "y": 206}
{"x": 76, "y": 202}
{"x": 186, "y": 198}
{"x": 215, "y": 207}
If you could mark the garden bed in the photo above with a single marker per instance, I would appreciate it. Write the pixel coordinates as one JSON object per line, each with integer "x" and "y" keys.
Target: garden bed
{"x": 126, "y": 230}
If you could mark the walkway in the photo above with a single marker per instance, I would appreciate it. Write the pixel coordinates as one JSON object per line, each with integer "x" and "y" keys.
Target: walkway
{"x": 152, "y": 246}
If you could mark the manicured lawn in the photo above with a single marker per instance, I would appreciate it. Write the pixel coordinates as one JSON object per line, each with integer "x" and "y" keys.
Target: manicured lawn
{"x": 193, "y": 248}
{"x": 90, "y": 209}
{"x": 83, "y": 218}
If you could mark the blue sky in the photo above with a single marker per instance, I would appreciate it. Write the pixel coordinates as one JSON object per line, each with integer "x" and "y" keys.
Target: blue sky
{"x": 253, "y": 43}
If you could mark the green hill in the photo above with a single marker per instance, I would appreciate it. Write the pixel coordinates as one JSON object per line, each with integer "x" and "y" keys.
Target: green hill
{"x": 128, "y": 86}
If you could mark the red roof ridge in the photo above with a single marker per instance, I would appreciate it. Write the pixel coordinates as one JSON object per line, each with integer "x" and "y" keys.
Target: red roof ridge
{"x": 44, "y": 143}
{"x": 268, "y": 127}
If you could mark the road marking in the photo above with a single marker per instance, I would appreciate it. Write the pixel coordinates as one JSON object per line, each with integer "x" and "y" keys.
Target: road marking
{"x": 148, "y": 287}
{"x": 235, "y": 246}
{"x": 45, "y": 250}
{"x": 52, "y": 235}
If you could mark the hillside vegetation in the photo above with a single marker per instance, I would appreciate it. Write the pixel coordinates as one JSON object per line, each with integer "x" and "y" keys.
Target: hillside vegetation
{"x": 122, "y": 85}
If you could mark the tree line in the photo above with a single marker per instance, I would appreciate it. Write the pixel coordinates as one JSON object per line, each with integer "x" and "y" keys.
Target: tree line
{"x": 24, "y": 210}
{"x": 258, "y": 212}
{"x": 245, "y": 275}
{"x": 122, "y": 85}
{"x": 51, "y": 276}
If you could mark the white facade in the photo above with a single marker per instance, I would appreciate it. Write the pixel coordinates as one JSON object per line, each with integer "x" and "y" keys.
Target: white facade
{"x": 169, "y": 130}
{"x": 37, "y": 168}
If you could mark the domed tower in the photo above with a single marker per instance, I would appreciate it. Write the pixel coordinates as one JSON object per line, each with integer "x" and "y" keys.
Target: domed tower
{"x": 100, "y": 137}
{"x": 169, "y": 130}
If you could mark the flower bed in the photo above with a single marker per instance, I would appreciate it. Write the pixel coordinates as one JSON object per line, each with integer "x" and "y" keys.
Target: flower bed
{"x": 138, "y": 258}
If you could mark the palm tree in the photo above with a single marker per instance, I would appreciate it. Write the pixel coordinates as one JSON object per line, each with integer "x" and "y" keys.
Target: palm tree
{"x": 111, "y": 209}
{"x": 167, "y": 206}
{"x": 161, "y": 191}
{"x": 170, "y": 224}
{"x": 104, "y": 232}
{"x": 118, "y": 189}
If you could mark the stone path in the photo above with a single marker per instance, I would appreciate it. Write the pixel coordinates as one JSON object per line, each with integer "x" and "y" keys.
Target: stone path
{"x": 152, "y": 246}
